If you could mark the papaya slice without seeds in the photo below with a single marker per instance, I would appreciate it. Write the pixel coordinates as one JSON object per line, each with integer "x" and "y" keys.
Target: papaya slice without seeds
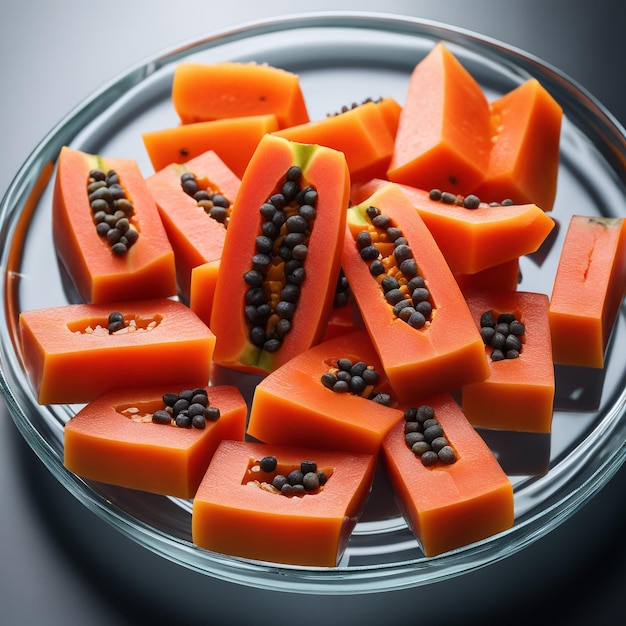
{"x": 146, "y": 270}
{"x": 447, "y": 351}
{"x": 444, "y": 132}
{"x": 154, "y": 457}
{"x": 245, "y": 317}
{"x": 195, "y": 235}
{"x": 588, "y": 289}
{"x": 204, "y": 92}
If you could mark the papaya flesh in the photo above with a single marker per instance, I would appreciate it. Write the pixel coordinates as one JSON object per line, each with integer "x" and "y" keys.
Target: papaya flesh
{"x": 147, "y": 269}
{"x": 195, "y": 235}
{"x": 443, "y": 354}
{"x": 246, "y": 316}
{"x": 204, "y": 92}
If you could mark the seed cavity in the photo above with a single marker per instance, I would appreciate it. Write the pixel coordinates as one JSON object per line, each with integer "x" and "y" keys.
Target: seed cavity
{"x": 115, "y": 324}
{"x": 470, "y": 201}
{"x": 286, "y": 480}
{"x": 210, "y": 200}
{"x": 357, "y": 378}
{"x": 345, "y": 108}
{"x": 425, "y": 436}
{"x": 503, "y": 333}
{"x": 278, "y": 270}
{"x": 385, "y": 249}
{"x": 112, "y": 211}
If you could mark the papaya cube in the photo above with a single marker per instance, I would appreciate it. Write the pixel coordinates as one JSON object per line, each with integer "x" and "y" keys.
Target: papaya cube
{"x": 236, "y": 512}
{"x": 114, "y": 440}
{"x": 71, "y": 357}
{"x": 448, "y": 506}
{"x": 519, "y": 392}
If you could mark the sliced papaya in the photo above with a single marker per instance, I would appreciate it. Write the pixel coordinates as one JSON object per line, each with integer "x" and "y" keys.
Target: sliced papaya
{"x": 233, "y": 139}
{"x": 411, "y": 305}
{"x": 588, "y": 289}
{"x": 504, "y": 276}
{"x": 474, "y": 239}
{"x": 453, "y": 499}
{"x": 202, "y": 92}
{"x": 151, "y": 453}
{"x": 444, "y": 133}
{"x": 75, "y": 352}
{"x": 524, "y": 159}
{"x": 238, "y": 510}
{"x": 301, "y": 404}
{"x": 107, "y": 230}
{"x": 519, "y": 393}
{"x": 282, "y": 255}
{"x": 364, "y": 133}
{"x": 194, "y": 200}
{"x": 202, "y": 289}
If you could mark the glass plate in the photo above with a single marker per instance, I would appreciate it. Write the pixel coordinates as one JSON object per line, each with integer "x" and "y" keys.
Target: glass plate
{"x": 341, "y": 58}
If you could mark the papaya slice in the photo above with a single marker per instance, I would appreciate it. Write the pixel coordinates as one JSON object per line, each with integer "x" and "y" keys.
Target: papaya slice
{"x": 194, "y": 201}
{"x": 76, "y": 352}
{"x": 364, "y": 133}
{"x": 524, "y": 159}
{"x": 91, "y": 220}
{"x": 237, "y": 511}
{"x": 159, "y": 457}
{"x": 519, "y": 392}
{"x": 297, "y": 404}
{"x": 449, "y": 503}
{"x": 202, "y": 289}
{"x": 472, "y": 240}
{"x": 588, "y": 289}
{"x": 504, "y": 276}
{"x": 433, "y": 345}
{"x": 233, "y": 139}
{"x": 444, "y": 132}
{"x": 204, "y": 92}
{"x": 282, "y": 255}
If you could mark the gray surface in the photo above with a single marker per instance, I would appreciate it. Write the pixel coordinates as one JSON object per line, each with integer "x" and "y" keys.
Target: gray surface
{"x": 61, "y": 565}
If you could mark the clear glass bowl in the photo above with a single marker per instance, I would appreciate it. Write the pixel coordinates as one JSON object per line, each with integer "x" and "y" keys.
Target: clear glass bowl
{"x": 341, "y": 59}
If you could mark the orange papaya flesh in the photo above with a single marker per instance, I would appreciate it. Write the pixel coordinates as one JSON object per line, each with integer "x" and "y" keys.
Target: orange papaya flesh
{"x": 275, "y": 286}
{"x": 365, "y": 134}
{"x": 519, "y": 392}
{"x": 205, "y": 92}
{"x": 72, "y": 355}
{"x": 235, "y": 513}
{"x": 472, "y": 240}
{"x": 99, "y": 271}
{"x": 505, "y": 276}
{"x": 588, "y": 290}
{"x": 292, "y": 406}
{"x": 443, "y": 137}
{"x": 524, "y": 159}
{"x": 446, "y": 352}
{"x": 202, "y": 289}
{"x": 194, "y": 201}
{"x": 449, "y": 505}
{"x": 114, "y": 440}
{"x": 233, "y": 139}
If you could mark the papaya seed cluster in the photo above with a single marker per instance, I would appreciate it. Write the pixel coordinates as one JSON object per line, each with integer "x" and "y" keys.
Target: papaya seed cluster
{"x": 503, "y": 334}
{"x": 111, "y": 210}
{"x": 357, "y": 378}
{"x": 471, "y": 201}
{"x": 306, "y": 478}
{"x": 425, "y": 436}
{"x": 214, "y": 204}
{"x": 189, "y": 408}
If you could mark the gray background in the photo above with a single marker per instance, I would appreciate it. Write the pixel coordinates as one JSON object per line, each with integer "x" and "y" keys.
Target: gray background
{"x": 59, "y": 564}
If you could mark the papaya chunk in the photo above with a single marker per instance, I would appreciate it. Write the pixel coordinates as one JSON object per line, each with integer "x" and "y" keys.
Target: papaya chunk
{"x": 446, "y": 351}
{"x": 276, "y": 285}
{"x": 504, "y": 276}
{"x": 472, "y": 240}
{"x": 364, "y": 133}
{"x": 449, "y": 505}
{"x": 196, "y": 236}
{"x": 519, "y": 392}
{"x": 292, "y": 406}
{"x": 204, "y": 92}
{"x": 71, "y": 355}
{"x": 236, "y": 512}
{"x": 146, "y": 269}
{"x": 443, "y": 137}
{"x": 233, "y": 139}
{"x": 150, "y": 456}
{"x": 588, "y": 289}
{"x": 524, "y": 158}
{"x": 202, "y": 289}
